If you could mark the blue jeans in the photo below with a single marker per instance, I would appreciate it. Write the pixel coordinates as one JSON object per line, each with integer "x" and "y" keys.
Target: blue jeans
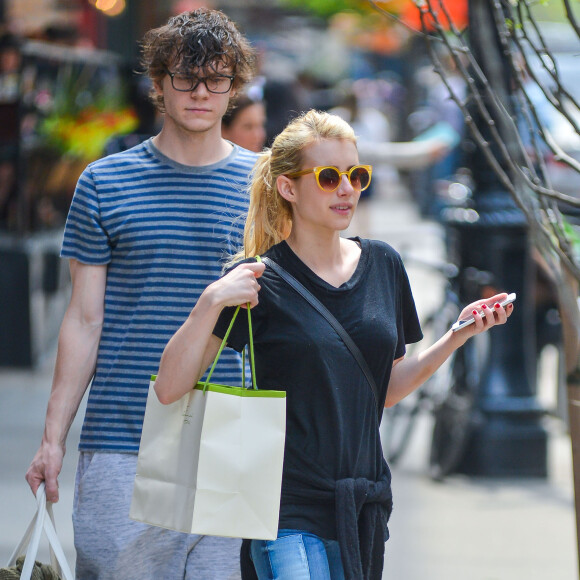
{"x": 297, "y": 555}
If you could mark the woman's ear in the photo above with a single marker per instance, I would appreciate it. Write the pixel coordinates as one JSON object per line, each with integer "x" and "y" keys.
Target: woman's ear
{"x": 285, "y": 187}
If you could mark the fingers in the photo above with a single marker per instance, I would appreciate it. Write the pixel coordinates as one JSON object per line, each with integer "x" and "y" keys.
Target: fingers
{"x": 496, "y": 313}
{"x": 240, "y": 286}
{"x": 51, "y": 485}
{"x": 489, "y": 312}
{"x": 34, "y": 480}
{"x": 256, "y": 267}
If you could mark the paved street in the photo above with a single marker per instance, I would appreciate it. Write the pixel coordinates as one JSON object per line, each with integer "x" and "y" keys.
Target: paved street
{"x": 461, "y": 529}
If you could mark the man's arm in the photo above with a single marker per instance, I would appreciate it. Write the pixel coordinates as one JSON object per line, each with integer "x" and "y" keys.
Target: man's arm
{"x": 78, "y": 342}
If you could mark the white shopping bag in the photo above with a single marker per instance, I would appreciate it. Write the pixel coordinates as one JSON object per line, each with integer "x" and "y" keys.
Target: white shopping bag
{"x": 42, "y": 521}
{"x": 211, "y": 463}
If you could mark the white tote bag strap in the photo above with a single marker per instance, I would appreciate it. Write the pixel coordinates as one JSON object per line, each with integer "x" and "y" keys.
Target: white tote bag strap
{"x": 31, "y": 541}
{"x": 57, "y": 556}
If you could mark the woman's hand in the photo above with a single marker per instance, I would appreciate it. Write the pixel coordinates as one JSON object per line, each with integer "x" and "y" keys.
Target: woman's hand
{"x": 486, "y": 313}
{"x": 411, "y": 372}
{"x": 193, "y": 346}
{"x": 240, "y": 286}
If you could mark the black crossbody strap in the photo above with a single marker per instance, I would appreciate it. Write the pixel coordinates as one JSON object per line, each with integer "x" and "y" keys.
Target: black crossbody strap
{"x": 313, "y": 301}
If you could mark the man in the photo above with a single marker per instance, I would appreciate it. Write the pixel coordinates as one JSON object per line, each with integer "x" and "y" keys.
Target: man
{"x": 145, "y": 234}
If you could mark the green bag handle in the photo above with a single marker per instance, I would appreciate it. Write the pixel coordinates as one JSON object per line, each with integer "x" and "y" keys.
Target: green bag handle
{"x": 223, "y": 344}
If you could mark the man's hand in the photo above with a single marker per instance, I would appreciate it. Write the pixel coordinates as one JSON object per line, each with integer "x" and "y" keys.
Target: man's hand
{"x": 46, "y": 466}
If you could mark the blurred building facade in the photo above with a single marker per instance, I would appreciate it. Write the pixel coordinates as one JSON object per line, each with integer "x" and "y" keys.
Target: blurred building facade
{"x": 72, "y": 84}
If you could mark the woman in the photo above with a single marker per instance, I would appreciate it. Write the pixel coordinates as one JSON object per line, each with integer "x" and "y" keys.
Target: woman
{"x": 245, "y": 123}
{"x": 336, "y": 484}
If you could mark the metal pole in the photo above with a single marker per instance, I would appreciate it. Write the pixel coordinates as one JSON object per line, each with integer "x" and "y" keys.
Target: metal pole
{"x": 508, "y": 439}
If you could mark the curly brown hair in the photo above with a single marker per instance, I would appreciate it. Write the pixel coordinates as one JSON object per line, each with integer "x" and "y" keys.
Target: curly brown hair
{"x": 196, "y": 40}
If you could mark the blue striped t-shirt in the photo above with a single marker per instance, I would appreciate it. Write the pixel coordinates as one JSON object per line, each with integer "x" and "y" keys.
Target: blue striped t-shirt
{"x": 164, "y": 230}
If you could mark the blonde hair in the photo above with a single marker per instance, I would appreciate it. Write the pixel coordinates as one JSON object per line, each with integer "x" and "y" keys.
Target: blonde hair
{"x": 269, "y": 218}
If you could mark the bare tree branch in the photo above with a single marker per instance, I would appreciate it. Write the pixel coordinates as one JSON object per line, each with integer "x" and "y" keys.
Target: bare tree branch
{"x": 515, "y": 144}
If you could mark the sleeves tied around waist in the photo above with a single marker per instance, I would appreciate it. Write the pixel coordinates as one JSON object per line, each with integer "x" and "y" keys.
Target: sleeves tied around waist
{"x": 363, "y": 509}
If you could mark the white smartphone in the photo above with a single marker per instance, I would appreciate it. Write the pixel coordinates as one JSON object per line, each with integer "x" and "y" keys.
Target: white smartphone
{"x": 461, "y": 323}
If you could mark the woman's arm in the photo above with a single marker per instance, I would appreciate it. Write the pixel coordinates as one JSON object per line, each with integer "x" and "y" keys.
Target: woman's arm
{"x": 411, "y": 372}
{"x": 193, "y": 347}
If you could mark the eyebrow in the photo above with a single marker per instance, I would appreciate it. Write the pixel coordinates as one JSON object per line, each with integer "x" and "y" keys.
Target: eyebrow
{"x": 208, "y": 69}
{"x": 336, "y": 166}
{"x": 197, "y": 76}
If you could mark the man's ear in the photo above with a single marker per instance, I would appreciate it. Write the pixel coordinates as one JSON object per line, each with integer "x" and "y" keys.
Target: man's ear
{"x": 285, "y": 187}
{"x": 158, "y": 88}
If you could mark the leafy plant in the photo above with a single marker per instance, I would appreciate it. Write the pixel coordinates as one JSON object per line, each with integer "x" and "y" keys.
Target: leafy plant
{"x": 87, "y": 109}
{"x": 327, "y": 8}
{"x": 85, "y": 134}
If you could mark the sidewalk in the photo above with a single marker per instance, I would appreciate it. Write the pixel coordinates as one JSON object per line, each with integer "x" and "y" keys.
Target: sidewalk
{"x": 461, "y": 529}
{"x": 472, "y": 528}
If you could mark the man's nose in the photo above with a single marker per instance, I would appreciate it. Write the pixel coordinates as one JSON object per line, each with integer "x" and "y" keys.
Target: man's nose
{"x": 199, "y": 88}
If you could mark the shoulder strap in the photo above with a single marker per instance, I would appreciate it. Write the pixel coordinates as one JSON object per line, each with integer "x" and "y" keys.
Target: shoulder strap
{"x": 313, "y": 301}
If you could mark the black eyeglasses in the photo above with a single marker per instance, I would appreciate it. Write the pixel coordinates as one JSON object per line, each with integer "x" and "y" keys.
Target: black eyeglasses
{"x": 217, "y": 84}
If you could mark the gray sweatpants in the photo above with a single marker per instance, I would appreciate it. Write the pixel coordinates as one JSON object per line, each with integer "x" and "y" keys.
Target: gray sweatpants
{"x": 110, "y": 546}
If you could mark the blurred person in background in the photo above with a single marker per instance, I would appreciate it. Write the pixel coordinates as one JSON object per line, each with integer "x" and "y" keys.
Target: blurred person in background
{"x": 372, "y": 129}
{"x": 142, "y": 245}
{"x": 245, "y": 123}
{"x": 438, "y": 110}
{"x": 370, "y": 126}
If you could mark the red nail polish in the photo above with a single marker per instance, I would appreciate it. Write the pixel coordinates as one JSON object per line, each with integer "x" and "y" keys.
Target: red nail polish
{"x": 484, "y": 306}
{"x": 474, "y": 312}
{"x": 497, "y": 305}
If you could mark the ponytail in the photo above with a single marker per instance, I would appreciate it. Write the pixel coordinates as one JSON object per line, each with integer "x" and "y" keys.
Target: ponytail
{"x": 269, "y": 218}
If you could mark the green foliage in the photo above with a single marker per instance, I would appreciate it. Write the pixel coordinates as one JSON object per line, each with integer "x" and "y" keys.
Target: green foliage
{"x": 550, "y": 10}
{"x": 86, "y": 111}
{"x": 327, "y": 8}
{"x": 572, "y": 234}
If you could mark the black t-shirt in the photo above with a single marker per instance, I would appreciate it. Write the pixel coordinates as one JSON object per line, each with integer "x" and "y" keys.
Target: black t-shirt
{"x": 332, "y": 424}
